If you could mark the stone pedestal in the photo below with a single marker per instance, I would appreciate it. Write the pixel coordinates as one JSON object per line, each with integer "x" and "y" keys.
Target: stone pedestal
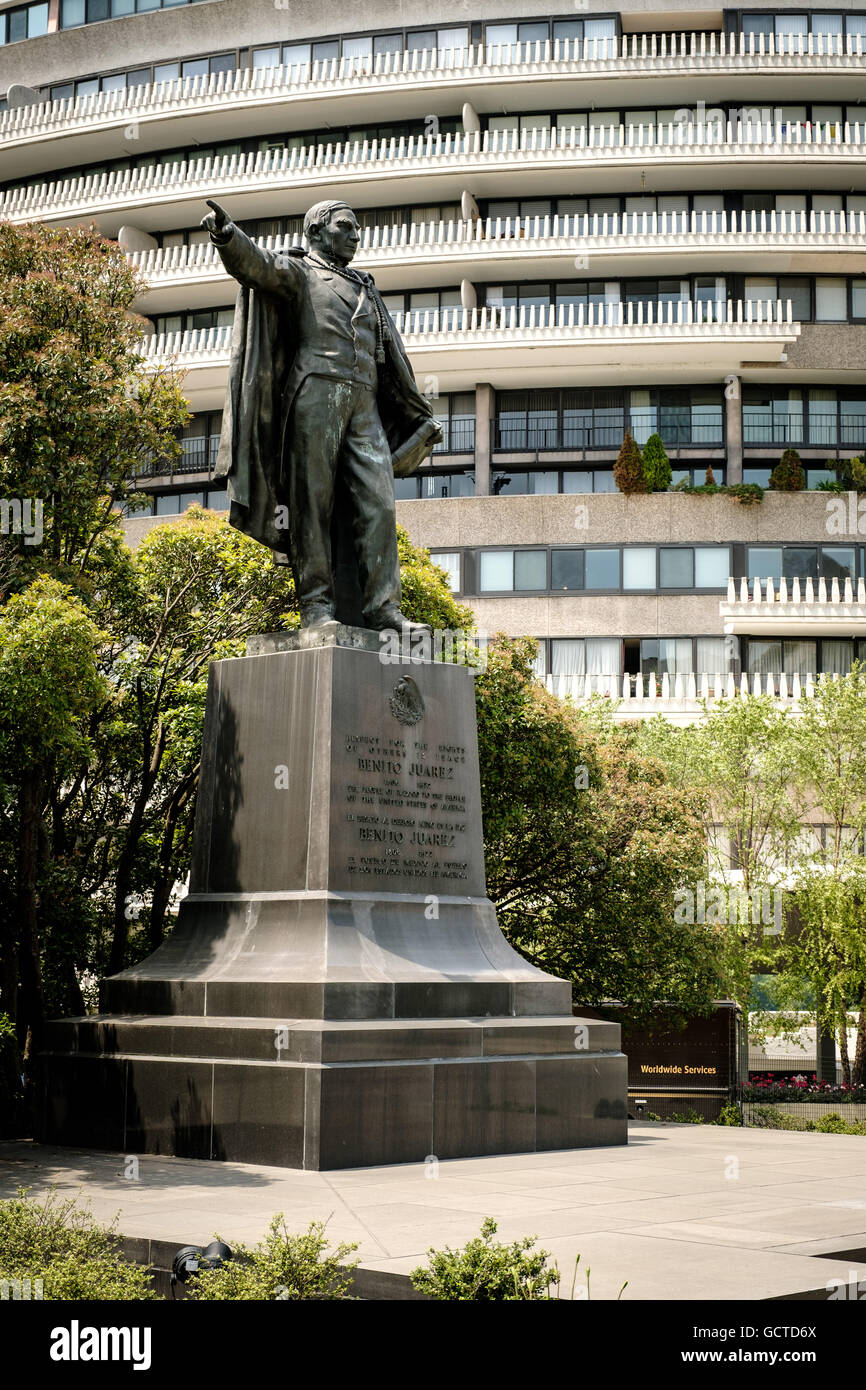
{"x": 337, "y": 991}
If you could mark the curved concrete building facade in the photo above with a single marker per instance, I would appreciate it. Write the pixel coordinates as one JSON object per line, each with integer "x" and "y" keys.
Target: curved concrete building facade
{"x": 585, "y": 222}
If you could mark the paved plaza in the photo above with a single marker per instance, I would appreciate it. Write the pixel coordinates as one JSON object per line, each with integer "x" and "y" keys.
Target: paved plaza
{"x": 683, "y": 1212}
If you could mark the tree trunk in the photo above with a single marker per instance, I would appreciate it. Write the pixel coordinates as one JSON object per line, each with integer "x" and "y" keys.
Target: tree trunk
{"x": 32, "y": 1007}
{"x": 166, "y": 874}
{"x": 858, "y": 1071}
{"x": 844, "y": 1058}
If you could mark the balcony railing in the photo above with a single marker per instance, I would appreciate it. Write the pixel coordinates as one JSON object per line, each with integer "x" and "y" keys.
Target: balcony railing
{"x": 631, "y": 54}
{"x": 387, "y": 244}
{"x": 197, "y": 456}
{"x": 795, "y": 607}
{"x": 680, "y": 698}
{"x": 458, "y": 436}
{"x": 568, "y": 326}
{"x": 796, "y": 591}
{"x": 846, "y": 430}
{"x": 516, "y": 438}
{"x": 492, "y": 149}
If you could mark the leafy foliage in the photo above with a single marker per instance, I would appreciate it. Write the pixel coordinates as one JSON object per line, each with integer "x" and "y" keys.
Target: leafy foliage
{"x": 487, "y": 1271}
{"x": 583, "y": 835}
{"x": 748, "y": 494}
{"x": 57, "y": 1240}
{"x": 850, "y": 473}
{"x": 283, "y": 1266}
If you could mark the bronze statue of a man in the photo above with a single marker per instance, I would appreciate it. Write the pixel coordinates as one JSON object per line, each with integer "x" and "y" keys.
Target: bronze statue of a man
{"x": 322, "y": 410}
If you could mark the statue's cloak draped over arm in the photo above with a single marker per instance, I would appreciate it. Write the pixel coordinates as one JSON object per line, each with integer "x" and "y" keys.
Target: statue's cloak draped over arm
{"x": 255, "y": 448}
{"x": 252, "y": 426}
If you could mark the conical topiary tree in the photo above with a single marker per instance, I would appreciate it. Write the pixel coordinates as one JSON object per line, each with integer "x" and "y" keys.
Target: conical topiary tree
{"x": 788, "y": 475}
{"x": 656, "y": 465}
{"x": 710, "y": 478}
{"x": 628, "y": 471}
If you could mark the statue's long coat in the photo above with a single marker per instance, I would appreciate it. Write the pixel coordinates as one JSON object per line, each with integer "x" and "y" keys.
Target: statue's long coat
{"x": 255, "y": 449}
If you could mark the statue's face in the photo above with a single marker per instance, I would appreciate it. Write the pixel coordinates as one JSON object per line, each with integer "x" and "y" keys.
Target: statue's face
{"x": 340, "y": 237}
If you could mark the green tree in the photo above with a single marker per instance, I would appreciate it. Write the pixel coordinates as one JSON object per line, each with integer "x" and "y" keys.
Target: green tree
{"x": 829, "y": 948}
{"x": 80, "y": 412}
{"x": 656, "y": 465}
{"x": 49, "y": 688}
{"x": 628, "y": 471}
{"x": 741, "y": 758}
{"x": 788, "y": 475}
{"x": 583, "y": 834}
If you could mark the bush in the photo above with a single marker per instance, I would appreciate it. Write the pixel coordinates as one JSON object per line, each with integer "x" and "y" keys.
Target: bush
{"x": 282, "y": 1266}
{"x": 769, "y": 1117}
{"x": 850, "y": 472}
{"x": 656, "y": 465}
{"x": 487, "y": 1271}
{"x": 58, "y": 1242}
{"x": 747, "y": 493}
{"x": 689, "y": 1117}
{"x": 788, "y": 475}
{"x": 834, "y": 1124}
{"x": 729, "y": 1115}
{"x": 710, "y": 477}
{"x": 628, "y": 471}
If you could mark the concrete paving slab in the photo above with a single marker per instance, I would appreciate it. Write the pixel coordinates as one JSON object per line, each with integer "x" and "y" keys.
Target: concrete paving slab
{"x": 661, "y": 1213}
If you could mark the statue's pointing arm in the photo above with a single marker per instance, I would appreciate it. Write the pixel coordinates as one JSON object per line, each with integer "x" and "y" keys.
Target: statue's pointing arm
{"x": 248, "y": 263}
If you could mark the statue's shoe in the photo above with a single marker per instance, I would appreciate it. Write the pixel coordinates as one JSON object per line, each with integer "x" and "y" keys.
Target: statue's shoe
{"x": 388, "y": 618}
{"x": 319, "y": 620}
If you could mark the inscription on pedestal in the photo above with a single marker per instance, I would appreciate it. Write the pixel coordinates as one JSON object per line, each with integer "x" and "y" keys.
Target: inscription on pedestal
{"x": 405, "y": 805}
{"x": 407, "y": 808}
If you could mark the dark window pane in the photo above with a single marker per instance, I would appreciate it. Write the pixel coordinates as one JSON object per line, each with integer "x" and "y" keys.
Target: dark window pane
{"x": 799, "y": 563}
{"x": 838, "y": 561}
{"x": 566, "y": 569}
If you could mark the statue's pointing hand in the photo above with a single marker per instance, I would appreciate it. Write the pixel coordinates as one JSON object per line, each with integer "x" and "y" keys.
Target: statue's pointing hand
{"x": 217, "y": 222}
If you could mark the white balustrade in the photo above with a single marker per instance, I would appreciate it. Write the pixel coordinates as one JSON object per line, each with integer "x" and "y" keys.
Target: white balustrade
{"x": 686, "y": 53}
{"x": 427, "y": 153}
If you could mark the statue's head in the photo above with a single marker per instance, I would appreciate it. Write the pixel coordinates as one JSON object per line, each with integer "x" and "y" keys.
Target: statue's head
{"x": 331, "y": 228}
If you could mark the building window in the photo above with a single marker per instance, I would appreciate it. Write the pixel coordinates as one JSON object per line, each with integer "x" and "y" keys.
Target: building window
{"x": 778, "y": 562}
{"x": 505, "y": 571}
{"x": 74, "y": 13}
{"x": 24, "y": 22}
{"x": 456, "y": 416}
{"x": 449, "y": 561}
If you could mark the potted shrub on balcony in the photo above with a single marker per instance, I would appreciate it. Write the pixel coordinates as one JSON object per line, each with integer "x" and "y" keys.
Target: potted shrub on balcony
{"x": 788, "y": 475}
{"x": 656, "y": 465}
{"x": 628, "y": 472}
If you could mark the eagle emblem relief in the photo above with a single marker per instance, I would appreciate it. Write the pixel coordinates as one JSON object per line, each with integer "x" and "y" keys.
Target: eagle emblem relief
{"x": 407, "y": 702}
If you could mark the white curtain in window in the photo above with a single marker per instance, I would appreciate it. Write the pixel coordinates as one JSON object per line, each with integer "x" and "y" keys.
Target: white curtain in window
{"x": 765, "y": 658}
{"x": 837, "y": 656}
{"x": 449, "y": 561}
{"x": 604, "y": 658}
{"x": 567, "y": 658}
{"x": 711, "y": 657}
{"x": 799, "y": 658}
{"x": 675, "y": 655}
